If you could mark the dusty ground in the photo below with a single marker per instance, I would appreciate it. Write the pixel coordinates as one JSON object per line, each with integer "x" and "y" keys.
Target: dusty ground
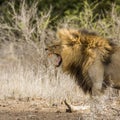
{"x": 39, "y": 110}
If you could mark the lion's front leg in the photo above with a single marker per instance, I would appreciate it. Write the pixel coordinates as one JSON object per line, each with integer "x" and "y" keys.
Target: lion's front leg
{"x": 96, "y": 74}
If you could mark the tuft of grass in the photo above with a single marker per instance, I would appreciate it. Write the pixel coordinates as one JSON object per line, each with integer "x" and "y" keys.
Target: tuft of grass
{"x": 18, "y": 82}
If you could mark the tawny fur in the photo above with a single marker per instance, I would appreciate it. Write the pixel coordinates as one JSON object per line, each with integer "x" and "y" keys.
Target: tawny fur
{"x": 89, "y": 58}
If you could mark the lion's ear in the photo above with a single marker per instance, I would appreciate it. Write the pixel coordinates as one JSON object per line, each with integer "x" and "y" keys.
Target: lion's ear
{"x": 64, "y": 34}
{"x": 67, "y": 34}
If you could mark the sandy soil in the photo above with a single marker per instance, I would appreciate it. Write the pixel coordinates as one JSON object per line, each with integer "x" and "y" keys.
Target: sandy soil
{"x": 39, "y": 110}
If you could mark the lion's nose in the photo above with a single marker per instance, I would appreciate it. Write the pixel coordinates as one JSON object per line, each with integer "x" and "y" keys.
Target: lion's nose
{"x": 46, "y": 49}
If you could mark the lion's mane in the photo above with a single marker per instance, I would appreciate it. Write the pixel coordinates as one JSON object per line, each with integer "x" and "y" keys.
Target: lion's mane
{"x": 88, "y": 47}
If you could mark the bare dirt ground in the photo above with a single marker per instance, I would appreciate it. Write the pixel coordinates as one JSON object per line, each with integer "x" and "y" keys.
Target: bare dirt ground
{"x": 40, "y": 110}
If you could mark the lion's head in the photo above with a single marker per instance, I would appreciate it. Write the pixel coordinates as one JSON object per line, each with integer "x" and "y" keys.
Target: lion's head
{"x": 66, "y": 48}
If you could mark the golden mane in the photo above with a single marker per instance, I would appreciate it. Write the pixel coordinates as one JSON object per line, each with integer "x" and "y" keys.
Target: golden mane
{"x": 90, "y": 46}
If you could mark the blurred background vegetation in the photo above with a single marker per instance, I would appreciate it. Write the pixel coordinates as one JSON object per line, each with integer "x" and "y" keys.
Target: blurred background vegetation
{"x": 65, "y": 8}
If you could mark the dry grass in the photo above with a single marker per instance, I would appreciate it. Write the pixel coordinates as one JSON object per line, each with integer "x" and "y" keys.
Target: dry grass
{"x": 18, "y": 82}
{"x": 25, "y": 70}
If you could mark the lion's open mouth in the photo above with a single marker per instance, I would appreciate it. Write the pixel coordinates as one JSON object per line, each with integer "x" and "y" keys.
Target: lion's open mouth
{"x": 55, "y": 59}
{"x": 58, "y": 60}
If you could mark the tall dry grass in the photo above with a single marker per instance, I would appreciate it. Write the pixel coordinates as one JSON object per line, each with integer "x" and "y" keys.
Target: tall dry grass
{"x": 25, "y": 71}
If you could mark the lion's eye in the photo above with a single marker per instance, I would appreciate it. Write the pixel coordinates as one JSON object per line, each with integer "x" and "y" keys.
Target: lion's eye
{"x": 56, "y": 47}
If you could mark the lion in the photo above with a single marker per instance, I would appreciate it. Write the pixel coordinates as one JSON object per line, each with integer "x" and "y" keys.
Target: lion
{"x": 93, "y": 61}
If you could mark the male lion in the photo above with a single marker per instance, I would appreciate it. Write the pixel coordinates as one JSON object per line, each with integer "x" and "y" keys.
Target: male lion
{"x": 93, "y": 61}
